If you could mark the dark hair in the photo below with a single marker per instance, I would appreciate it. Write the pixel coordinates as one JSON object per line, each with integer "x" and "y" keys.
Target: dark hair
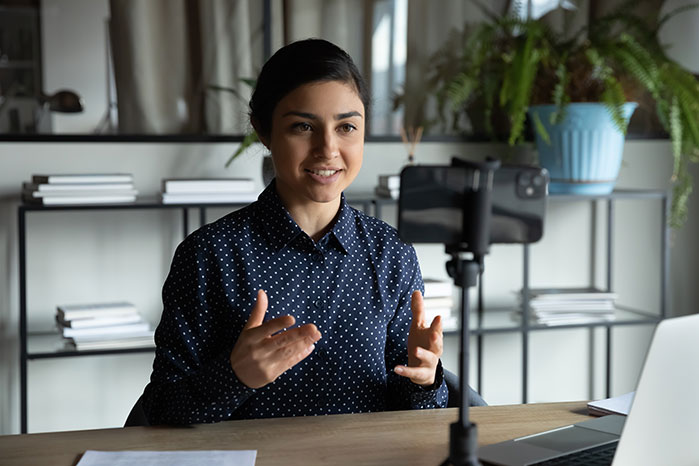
{"x": 294, "y": 65}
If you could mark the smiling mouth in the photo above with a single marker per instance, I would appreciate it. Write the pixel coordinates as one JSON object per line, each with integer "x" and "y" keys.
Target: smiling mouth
{"x": 322, "y": 172}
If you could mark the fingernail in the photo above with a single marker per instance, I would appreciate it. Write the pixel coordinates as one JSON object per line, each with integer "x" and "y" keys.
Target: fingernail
{"x": 310, "y": 348}
{"x": 398, "y": 370}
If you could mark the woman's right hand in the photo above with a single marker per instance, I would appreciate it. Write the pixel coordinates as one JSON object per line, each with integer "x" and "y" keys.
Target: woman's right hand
{"x": 259, "y": 356}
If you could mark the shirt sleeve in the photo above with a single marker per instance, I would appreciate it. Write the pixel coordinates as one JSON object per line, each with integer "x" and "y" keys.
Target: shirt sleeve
{"x": 402, "y": 393}
{"x": 192, "y": 379}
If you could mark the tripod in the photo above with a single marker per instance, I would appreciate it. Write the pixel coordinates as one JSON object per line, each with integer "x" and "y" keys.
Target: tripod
{"x": 463, "y": 434}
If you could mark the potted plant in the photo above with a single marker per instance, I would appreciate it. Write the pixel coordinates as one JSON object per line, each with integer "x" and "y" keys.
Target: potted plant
{"x": 513, "y": 67}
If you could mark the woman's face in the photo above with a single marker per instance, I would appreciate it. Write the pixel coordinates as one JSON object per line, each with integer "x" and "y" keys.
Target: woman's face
{"x": 317, "y": 141}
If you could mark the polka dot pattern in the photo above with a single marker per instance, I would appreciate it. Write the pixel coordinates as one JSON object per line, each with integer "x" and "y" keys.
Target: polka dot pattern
{"x": 354, "y": 285}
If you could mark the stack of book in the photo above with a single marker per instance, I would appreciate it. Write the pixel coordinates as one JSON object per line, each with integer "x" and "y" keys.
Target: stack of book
{"x": 439, "y": 301}
{"x": 208, "y": 190}
{"x": 97, "y": 188}
{"x": 570, "y": 306}
{"x": 103, "y": 326}
{"x": 388, "y": 186}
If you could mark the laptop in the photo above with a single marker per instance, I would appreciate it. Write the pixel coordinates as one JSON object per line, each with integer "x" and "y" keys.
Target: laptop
{"x": 662, "y": 426}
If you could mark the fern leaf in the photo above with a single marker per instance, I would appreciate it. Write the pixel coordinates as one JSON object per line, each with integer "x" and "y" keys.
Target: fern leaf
{"x": 675, "y": 136}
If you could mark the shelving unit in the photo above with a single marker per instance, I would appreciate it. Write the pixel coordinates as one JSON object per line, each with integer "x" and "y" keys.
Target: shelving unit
{"x": 51, "y": 345}
{"x": 493, "y": 321}
{"x": 483, "y": 323}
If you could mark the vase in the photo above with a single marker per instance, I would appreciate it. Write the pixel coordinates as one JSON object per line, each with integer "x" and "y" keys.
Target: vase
{"x": 585, "y": 150}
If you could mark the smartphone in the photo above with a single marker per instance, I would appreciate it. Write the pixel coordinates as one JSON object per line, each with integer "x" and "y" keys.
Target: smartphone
{"x": 431, "y": 207}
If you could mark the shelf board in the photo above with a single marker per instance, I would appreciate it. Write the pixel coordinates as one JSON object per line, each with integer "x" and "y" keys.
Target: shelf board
{"x": 504, "y": 320}
{"x": 52, "y": 345}
{"x": 153, "y": 203}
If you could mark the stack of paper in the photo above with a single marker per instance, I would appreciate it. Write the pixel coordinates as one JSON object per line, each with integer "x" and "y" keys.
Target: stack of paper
{"x": 208, "y": 190}
{"x": 88, "y": 188}
{"x": 388, "y": 186}
{"x": 103, "y": 326}
{"x": 571, "y": 306}
{"x": 439, "y": 301}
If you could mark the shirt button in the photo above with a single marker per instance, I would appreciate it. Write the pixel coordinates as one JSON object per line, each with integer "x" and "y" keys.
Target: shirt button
{"x": 318, "y": 303}
{"x": 317, "y": 257}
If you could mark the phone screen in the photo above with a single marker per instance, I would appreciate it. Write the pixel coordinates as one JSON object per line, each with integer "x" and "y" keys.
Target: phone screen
{"x": 430, "y": 208}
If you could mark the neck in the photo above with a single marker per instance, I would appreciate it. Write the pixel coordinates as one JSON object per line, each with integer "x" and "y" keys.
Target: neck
{"x": 314, "y": 218}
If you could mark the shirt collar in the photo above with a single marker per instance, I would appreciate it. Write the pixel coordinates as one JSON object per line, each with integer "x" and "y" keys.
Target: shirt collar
{"x": 280, "y": 229}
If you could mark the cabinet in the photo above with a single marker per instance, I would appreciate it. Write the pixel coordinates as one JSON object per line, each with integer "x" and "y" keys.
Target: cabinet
{"x": 20, "y": 70}
{"x": 484, "y": 321}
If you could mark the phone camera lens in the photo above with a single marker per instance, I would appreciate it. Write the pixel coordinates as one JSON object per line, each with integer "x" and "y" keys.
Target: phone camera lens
{"x": 538, "y": 180}
{"x": 524, "y": 179}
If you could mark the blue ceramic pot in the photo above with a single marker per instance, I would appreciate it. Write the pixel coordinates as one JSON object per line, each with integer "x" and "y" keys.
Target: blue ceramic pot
{"x": 584, "y": 156}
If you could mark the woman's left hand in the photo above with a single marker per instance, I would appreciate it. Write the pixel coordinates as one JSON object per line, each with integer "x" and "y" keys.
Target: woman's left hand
{"x": 424, "y": 346}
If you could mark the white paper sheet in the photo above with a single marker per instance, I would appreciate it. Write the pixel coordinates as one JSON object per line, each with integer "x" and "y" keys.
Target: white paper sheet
{"x": 169, "y": 458}
{"x": 616, "y": 405}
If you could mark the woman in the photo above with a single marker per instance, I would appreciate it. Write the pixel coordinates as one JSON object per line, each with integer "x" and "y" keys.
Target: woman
{"x": 297, "y": 304}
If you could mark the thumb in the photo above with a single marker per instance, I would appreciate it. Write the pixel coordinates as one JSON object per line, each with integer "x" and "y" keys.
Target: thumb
{"x": 257, "y": 315}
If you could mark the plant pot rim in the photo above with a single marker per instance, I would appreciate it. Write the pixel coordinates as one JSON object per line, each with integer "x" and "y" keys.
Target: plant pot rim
{"x": 578, "y": 104}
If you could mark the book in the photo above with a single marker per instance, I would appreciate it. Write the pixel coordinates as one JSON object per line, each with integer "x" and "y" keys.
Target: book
{"x": 77, "y": 200}
{"x": 208, "y": 185}
{"x": 99, "y": 321}
{"x": 27, "y": 186}
{"x": 438, "y": 288}
{"x": 79, "y": 178}
{"x": 94, "y": 310}
{"x": 569, "y": 294}
{"x": 206, "y": 198}
{"x": 81, "y": 193}
{"x": 430, "y": 314}
{"x": 386, "y": 192}
{"x": 446, "y": 301}
{"x": 133, "y": 340}
{"x": 99, "y": 332}
{"x": 391, "y": 182}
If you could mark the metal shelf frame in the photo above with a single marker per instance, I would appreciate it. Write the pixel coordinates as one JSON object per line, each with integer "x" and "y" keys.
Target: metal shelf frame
{"x": 369, "y": 202}
{"x": 363, "y": 200}
{"x": 525, "y": 326}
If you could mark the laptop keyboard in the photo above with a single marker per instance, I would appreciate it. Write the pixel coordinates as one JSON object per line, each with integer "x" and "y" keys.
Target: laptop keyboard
{"x": 601, "y": 456}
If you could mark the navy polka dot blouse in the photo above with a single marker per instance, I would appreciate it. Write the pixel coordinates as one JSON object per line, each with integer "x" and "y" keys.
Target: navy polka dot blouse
{"x": 354, "y": 285}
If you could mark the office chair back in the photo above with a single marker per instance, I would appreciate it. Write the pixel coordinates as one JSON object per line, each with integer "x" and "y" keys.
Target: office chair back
{"x": 137, "y": 416}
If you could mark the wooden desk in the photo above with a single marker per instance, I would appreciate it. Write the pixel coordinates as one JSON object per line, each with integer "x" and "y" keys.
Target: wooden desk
{"x": 389, "y": 438}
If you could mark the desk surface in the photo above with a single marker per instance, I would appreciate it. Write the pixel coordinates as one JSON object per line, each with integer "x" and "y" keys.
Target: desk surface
{"x": 388, "y": 438}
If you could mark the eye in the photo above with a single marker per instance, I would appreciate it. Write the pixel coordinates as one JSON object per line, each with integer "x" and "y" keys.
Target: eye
{"x": 347, "y": 128}
{"x": 301, "y": 127}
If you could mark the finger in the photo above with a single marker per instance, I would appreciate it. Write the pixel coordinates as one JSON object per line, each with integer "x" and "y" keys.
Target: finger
{"x": 289, "y": 356}
{"x": 257, "y": 315}
{"x": 271, "y": 327}
{"x": 426, "y": 357}
{"x": 437, "y": 324}
{"x": 417, "y": 310}
{"x": 419, "y": 375}
{"x": 308, "y": 333}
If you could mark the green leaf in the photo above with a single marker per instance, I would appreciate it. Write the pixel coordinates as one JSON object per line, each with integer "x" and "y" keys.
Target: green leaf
{"x": 248, "y": 140}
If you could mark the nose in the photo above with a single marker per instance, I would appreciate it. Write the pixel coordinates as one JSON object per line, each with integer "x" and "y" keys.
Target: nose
{"x": 327, "y": 146}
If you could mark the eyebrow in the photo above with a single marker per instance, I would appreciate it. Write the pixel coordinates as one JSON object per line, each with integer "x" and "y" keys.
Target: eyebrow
{"x": 311, "y": 116}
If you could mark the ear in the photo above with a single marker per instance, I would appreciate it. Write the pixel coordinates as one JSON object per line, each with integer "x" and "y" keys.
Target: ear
{"x": 255, "y": 125}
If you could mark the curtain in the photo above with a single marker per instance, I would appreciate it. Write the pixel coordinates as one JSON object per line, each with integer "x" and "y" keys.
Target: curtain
{"x": 179, "y": 65}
